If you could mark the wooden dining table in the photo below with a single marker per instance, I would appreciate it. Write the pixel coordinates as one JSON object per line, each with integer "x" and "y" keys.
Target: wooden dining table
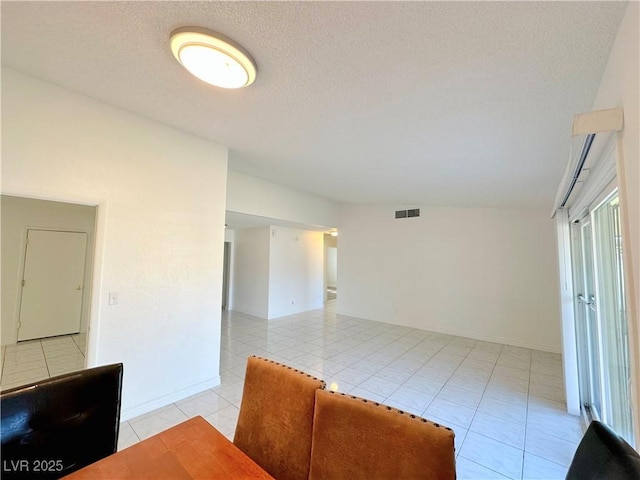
{"x": 193, "y": 449}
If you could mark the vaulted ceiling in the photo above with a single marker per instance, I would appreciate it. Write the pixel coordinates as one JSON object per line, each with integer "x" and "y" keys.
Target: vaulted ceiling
{"x": 425, "y": 103}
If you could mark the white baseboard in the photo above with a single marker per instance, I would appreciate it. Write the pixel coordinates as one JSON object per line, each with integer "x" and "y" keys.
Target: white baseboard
{"x": 146, "y": 407}
{"x": 458, "y": 333}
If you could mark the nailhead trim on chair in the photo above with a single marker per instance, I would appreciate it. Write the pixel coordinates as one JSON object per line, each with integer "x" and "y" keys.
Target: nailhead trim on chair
{"x": 423, "y": 420}
{"x": 291, "y": 368}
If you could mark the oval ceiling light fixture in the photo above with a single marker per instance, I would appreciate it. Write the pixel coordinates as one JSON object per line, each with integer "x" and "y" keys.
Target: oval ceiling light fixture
{"x": 213, "y": 58}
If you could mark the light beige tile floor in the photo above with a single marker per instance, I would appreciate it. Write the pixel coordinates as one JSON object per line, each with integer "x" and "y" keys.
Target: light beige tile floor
{"x": 34, "y": 360}
{"x": 505, "y": 404}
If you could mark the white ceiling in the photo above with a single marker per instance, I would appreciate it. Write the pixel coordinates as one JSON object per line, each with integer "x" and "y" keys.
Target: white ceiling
{"x": 425, "y": 103}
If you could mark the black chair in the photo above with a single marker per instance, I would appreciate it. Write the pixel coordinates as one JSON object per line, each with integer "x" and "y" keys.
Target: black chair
{"x": 59, "y": 425}
{"x": 603, "y": 454}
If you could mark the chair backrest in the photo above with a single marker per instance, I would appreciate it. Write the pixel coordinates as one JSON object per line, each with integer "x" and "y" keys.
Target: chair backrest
{"x": 56, "y": 426}
{"x": 602, "y": 453}
{"x": 354, "y": 438}
{"x": 276, "y": 416}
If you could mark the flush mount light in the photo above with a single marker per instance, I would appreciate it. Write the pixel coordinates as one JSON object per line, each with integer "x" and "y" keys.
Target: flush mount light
{"x": 212, "y": 57}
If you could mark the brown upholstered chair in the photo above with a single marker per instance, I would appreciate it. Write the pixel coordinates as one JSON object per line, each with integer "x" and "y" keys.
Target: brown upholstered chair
{"x": 354, "y": 438}
{"x": 276, "y": 417}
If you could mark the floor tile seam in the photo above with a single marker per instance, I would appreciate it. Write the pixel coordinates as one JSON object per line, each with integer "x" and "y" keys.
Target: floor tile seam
{"x": 556, "y": 438}
{"x": 421, "y": 411}
{"x": 78, "y": 345}
{"x": 183, "y": 412}
{"x": 21, "y": 376}
{"x": 59, "y": 360}
{"x": 547, "y": 397}
{"x": 458, "y": 402}
{"x": 67, "y": 343}
{"x": 435, "y": 396}
{"x": 522, "y": 450}
{"x": 546, "y": 382}
{"x": 528, "y": 452}
{"x": 4, "y": 353}
{"x": 517, "y": 367}
{"x": 423, "y": 363}
{"x": 75, "y": 353}
{"x": 526, "y": 417}
{"x": 45, "y": 360}
{"x": 561, "y": 378}
{"x": 134, "y": 431}
{"x": 389, "y": 381}
{"x": 377, "y": 351}
{"x": 485, "y": 385}
{"x": 475, "y": 413}
{"x": 484, "y": 466}
{"x": 19, "y": 370}
{"x": 28, "y": 372}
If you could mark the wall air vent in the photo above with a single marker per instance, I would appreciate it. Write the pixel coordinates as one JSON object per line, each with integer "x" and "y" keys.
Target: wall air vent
{"x": 414, "y": 212}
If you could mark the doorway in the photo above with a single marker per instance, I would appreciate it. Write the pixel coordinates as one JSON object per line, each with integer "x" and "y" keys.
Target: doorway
{"x": 52, "y": 283}
{"x": 52, "y": 352}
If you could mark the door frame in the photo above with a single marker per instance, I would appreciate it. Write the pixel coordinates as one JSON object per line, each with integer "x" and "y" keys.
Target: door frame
{"x": 98, "y": 250}
{"x": 88, "y": 257}
{"x": 226, "y": 274}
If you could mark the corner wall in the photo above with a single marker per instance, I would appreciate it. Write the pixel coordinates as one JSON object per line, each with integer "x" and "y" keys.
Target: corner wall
{"x": 251, "y": 271}
{"x": 159, "y": 237}
{"x": 278, "y": 271}
{"x": 295, "y": 271}
{"x": 489, "y": 274}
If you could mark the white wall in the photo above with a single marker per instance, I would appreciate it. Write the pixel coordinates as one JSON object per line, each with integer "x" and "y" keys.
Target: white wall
{"x": 295, "y": 271}
{"x": 160, "y": 227}
{"x": 330, "y": 263}
{"x": 489, "y": 274}
{"x": 251, "y": 271}
{"x": 229, "y": 236}
{"x": 254, "y": 196}
{"x": 18, "y": 214}
{"x": 620, "y": 86}
{"x": 332, "y": 266}
{"x": 278, "y": 271}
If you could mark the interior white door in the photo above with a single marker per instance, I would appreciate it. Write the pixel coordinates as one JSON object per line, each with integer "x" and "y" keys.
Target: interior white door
{"x": 52, "y": 284}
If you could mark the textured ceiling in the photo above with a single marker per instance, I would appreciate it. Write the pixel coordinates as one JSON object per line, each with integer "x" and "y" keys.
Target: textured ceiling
{"x": 426, "y": 103}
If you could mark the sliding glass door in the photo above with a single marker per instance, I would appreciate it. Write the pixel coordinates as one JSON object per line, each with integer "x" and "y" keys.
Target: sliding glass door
{"x": 586, "y": 325}
{"x": 601, "y": 324}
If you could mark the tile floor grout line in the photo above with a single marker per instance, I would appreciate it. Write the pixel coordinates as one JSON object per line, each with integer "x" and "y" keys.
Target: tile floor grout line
{"x": 4, "y": 362}
{"x": 476, "y": 412}
{"x": 526, "y": 418}
{"x": 44, "y": 354}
